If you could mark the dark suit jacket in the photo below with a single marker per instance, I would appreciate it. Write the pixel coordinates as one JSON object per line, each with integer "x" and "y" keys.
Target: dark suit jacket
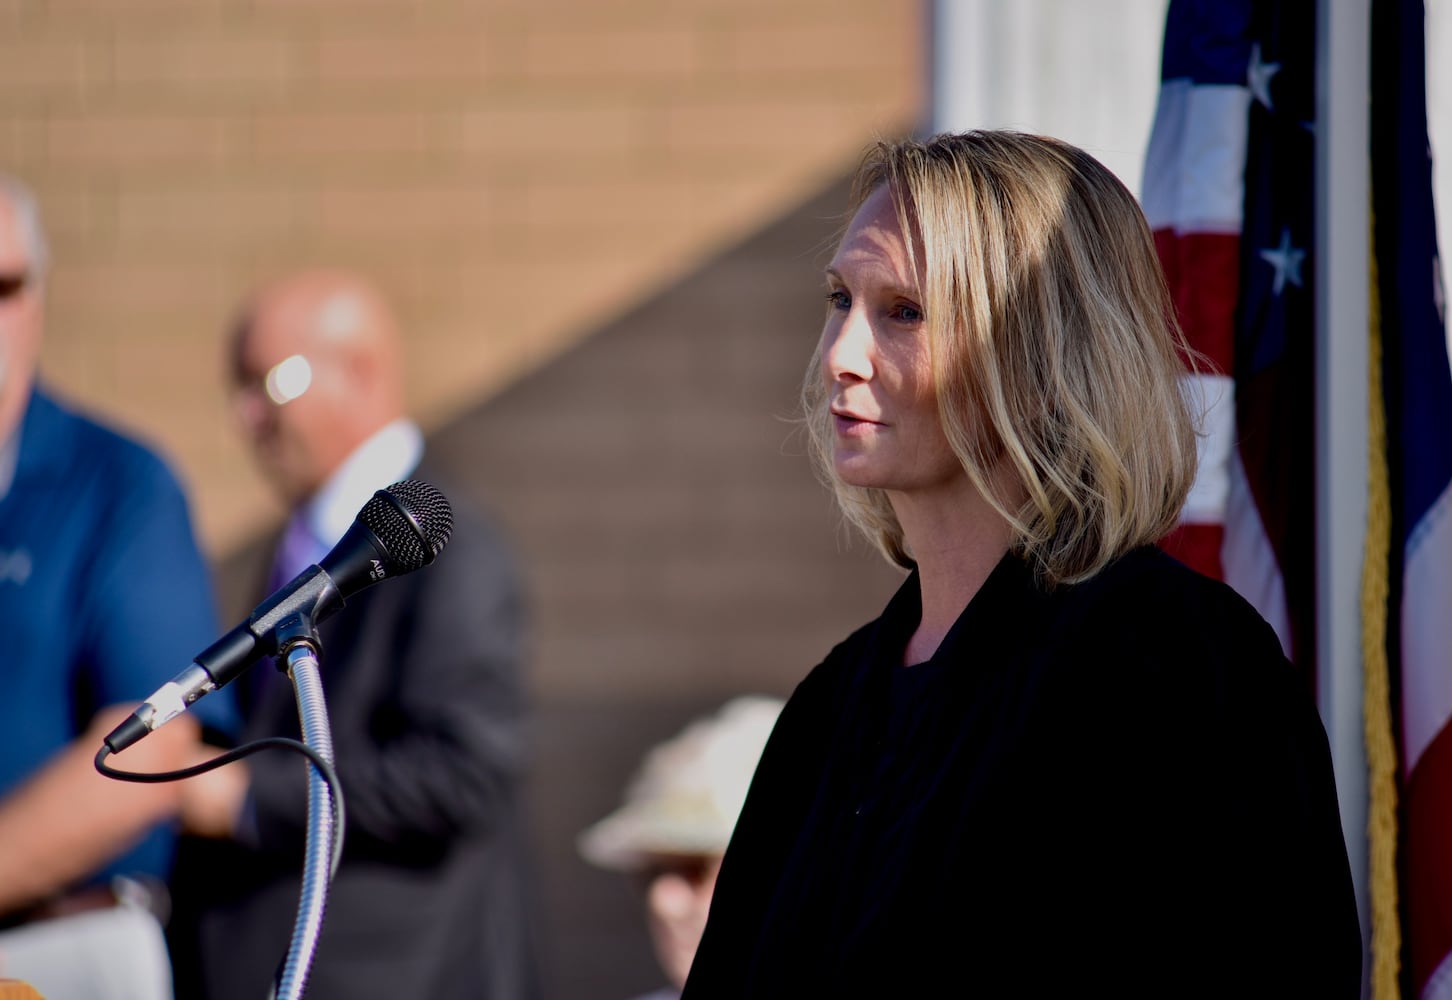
{"x": 422, "y": 679}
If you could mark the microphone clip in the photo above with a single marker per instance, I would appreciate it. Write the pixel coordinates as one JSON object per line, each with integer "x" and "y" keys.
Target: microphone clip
{"x": 296, "y": 630}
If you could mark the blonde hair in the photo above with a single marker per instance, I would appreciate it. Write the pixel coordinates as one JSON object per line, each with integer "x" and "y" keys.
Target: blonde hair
{"x": 1055, "y": 351}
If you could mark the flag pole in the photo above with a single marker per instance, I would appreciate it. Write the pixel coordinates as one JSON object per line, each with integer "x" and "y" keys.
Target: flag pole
{"x": 1343, "y": 229}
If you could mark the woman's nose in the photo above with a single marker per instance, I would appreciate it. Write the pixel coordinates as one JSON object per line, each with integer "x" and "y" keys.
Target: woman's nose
{"x": 847, "y": 348}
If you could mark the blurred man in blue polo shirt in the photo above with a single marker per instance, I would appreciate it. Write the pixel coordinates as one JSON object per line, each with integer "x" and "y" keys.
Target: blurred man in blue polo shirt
{"x": 103, "y": 596}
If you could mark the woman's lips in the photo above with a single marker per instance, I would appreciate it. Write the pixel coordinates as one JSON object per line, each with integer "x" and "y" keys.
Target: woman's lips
{"x": 850, "y": 423}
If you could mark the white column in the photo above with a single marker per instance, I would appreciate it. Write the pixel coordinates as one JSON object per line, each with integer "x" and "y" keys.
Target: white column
{"x": 1343, "y": 181}
{"x": 1084, "y": 72}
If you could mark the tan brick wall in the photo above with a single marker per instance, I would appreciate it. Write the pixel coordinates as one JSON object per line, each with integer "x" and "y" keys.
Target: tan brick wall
{"x": 514, "y": 172}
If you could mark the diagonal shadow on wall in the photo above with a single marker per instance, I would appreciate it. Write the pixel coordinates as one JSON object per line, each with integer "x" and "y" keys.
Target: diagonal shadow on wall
{"x": 677, "y": 547}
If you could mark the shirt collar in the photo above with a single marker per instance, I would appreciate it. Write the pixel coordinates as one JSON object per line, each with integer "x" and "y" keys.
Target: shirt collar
{"x": 1009, "y": 594}
{"x": 385, "y": 458}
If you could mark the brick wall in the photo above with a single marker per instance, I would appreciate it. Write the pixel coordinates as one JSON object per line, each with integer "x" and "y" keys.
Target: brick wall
{"x": 513, "y": 172}
{"x": 601, "y": 223}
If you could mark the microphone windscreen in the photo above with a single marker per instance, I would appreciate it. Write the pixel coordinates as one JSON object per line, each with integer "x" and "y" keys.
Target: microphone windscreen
{"x": 413, "y": 520}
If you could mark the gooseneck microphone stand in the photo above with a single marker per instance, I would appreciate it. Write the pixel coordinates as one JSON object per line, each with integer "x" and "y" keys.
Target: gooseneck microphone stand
{"x": 298, "y": 647}
{"x": 399, "y": 530}
{"x": 298, "y": 644}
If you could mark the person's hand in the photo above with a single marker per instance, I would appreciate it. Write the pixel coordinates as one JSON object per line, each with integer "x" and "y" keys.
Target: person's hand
{"x": 211, "y": 803}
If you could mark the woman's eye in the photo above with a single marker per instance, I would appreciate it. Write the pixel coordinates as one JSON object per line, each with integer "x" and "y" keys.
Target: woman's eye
{"x": 838, "y": 299}
{"x": 907, "y": 313}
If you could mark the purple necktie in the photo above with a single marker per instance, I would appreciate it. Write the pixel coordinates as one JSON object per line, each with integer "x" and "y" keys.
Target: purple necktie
{"x": 297, "y": 551}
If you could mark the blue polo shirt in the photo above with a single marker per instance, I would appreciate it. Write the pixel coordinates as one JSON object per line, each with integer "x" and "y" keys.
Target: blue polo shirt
{"x": 104, "y": 594}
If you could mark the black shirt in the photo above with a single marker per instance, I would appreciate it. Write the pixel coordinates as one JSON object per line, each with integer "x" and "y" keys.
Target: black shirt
{"x": 1119, "y": 786}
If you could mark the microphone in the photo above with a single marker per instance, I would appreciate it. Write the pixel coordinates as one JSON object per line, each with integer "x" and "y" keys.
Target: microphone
{"x": 402, "y": 528}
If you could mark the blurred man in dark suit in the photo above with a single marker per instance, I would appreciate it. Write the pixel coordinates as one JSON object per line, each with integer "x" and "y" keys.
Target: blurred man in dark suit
{"x": 423, "y": 679}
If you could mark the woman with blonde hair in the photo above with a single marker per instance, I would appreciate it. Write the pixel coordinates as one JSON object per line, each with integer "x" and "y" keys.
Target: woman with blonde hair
{"x": 1059, "y": 760}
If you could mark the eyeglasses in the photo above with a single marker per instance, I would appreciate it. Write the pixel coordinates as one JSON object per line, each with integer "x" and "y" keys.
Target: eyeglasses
{"x": 11, "y": 285}
{"x": 284, "y": 381}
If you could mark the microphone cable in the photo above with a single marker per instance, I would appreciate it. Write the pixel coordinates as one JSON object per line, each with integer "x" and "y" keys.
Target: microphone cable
{"x": 325, "y": 769}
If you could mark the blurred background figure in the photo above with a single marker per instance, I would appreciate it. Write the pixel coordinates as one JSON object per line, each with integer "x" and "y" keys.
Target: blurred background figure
{"x": 423, "y": 677}
{"x": 672, "y": 829}
{"x": 103, "y": 595}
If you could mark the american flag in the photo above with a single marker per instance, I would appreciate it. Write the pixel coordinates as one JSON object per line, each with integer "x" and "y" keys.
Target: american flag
{"x": 1229, "y": 187}
{"x": 1228, "y": 192}
{"x": 1417, "y": 417}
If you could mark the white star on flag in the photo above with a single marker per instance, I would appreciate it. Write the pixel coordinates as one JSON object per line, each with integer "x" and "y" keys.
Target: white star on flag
{"x": 1286, "y": 259}
{"x": 1258, "y": 76}
{"x": 1439, "y": 293}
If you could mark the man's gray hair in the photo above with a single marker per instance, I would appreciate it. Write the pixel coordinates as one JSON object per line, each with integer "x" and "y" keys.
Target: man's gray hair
{"x": 27, "y": 215}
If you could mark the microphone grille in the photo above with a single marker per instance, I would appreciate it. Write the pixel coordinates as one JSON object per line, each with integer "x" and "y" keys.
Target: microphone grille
{"x": 412, "y": 519}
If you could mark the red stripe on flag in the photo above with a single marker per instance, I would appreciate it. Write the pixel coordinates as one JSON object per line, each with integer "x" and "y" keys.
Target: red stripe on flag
{"x": 1197, "y": 546}
{"x": 1203, "y": 271}
{"x": 1426, "y": 861}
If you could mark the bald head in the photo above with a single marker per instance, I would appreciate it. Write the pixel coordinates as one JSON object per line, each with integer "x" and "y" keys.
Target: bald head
{"x": 317, "y": 370}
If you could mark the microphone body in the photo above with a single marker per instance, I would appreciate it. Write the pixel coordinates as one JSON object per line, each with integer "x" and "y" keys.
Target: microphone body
{"x": 401, "y": 529}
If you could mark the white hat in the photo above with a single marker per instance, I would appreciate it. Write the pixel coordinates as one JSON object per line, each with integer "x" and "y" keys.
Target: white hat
{"x": 687, "y": 793}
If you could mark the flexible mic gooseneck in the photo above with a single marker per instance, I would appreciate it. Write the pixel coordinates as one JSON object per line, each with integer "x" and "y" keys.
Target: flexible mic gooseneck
{"x": 402, "y": 528}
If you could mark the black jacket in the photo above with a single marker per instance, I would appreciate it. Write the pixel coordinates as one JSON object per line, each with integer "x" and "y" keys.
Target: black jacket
{"x": 1119, "y": 787}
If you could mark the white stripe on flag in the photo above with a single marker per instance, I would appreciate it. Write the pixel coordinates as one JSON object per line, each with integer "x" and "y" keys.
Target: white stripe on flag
{"x": 1212, "y": 404}
{"x": 1427, "y": 631}
{"x": 1194, "y": 176}
{"x": 1249, "y": 561}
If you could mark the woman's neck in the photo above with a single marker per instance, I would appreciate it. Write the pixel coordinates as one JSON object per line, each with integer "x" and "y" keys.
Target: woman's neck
{"x": 956, "y": 542}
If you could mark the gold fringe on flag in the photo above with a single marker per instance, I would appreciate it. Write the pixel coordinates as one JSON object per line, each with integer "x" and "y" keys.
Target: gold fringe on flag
{"x": 1381, "y": 756}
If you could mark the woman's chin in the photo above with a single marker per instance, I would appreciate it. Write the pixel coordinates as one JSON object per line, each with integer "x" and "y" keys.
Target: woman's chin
{"x": 856, "y": 474}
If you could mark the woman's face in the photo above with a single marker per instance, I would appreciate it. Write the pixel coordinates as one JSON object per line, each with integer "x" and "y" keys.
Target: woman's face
{"x": 876, "y": 361}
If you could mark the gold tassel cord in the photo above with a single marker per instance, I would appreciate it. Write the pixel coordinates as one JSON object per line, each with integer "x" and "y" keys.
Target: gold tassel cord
{"x": 1381, "y": 756}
